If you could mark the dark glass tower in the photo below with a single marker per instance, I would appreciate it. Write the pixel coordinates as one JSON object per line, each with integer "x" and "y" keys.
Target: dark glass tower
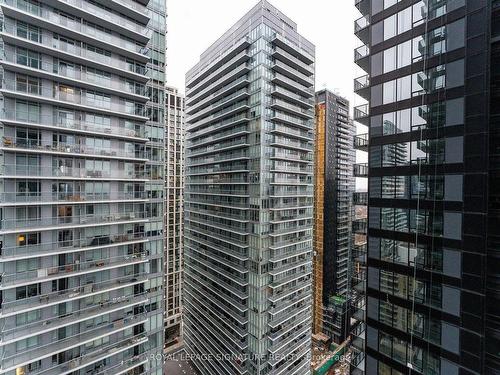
{"x": 432, "y": 267}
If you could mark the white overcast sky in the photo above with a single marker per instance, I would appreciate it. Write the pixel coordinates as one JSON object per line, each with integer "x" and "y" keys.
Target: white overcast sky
{"x": 193, "y": 25}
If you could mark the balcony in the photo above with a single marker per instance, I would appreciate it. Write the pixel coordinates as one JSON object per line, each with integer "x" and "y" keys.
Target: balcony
{"x": 76, "y": 75}
{"x": 361, "y": 29}
{"x": 361, "y": 170}
{"x": 360, "y": 226}
{"x": 50, "y": 223}
{"x": 293, "y": 121}
{"x": 362, "y": 86}
{"x": 360, "y": 198}
{"x": 361, "y": 142}
{"x": 11, "y": 308}
{"x": 13, "y": 360}
{"x": 198, "y": 73}
{"x": 292, "y": 73}
{"x": 363, "y": 6}
{"x": 362, "y": 113}
{"x": 13, "y": 334}
{"x": 289, "y": 59}
{"x": 49, "y": 147}
{"x": 68, "y": 173}
{"x": 239, "y": 59}
{"x": 69, "y": 270}
{"x": 291, "y": 96}
{"x": 293, "y": 49}
{"x": 78, "y": 54}
{"x": 102, "y": 352}
{"x": 292, "y": 85}
{"x": 37, "y": 198}
{"x": 293, "y": 109}
{"x": 126, "y": 25}
{"x": 241, "y": 94}
{"x": 10, "y": 253}
{"x": 361, "y": 57}
{"x": 237, "y": 73}
{"x": 58, "y": 23}
{"x": 52, "y": 122}
{"x": 75, "y": 98}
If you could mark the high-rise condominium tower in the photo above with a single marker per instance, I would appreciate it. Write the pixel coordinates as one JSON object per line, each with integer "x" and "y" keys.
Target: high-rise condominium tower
{"x": 433, "y": 263}
{"x": 333, "y": 212}
{"x": 82, "y": 186}
{"x": 249, "y": 198}
{"x": 174, "y": 223}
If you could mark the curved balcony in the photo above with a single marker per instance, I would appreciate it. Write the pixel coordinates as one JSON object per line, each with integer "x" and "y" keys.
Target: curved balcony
{"x": 35, "y": 171}
{"x": 41, "y": 147}
{"x": 76, "y": 76}
{"x": 60, "y": 24}
{"x": 13, "y": 360}
{"x": 18, "y": 252}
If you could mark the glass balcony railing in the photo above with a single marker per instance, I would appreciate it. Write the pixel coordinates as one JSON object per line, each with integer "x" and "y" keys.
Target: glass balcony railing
{"x": 63, "y": 21}
{"x": 361, "y": 112}
{"x": 79, "y": 74}
{"x": 113, "y": 17}
{"x": 67, "y": 270}
{"x": 361, "y": 52}
{"x": 20, "y": 332}
{"x": 10, "y": 252}
{"x": 70, "y": 148}
{"x": 75, "y": 96}
{"x": 74, "y": 124}
{"x": 13, "y": 359}
{"x": 361, "y": 82}
{"x": 72, "y": 172}
{"x": 139, "y": 70}
{"x": 48, "y": 299}
{"x": 39, "y": 222}
{"x": 73, "y": 197}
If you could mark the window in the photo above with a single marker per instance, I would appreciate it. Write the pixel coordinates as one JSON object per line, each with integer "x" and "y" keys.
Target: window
{"x": 28, "y": 58}
{"x": 27, "y": 111}
{"x": 27, "y": 31}
{"x": 28, "y": 138}
{"x": 27, "y": 84}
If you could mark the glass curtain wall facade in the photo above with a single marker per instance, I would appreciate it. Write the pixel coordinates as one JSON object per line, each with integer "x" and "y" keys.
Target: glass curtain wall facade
{"x": 249, "y": 199}
{"x": 82, "y": 186}
{"x": 333, "y": 213}
{"x": 429, "y": 135}
{"x": 174, "y": 223}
